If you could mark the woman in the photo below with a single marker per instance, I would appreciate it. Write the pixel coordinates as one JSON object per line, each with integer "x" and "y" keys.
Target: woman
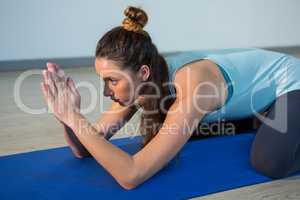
{"x": 177, "y": 94}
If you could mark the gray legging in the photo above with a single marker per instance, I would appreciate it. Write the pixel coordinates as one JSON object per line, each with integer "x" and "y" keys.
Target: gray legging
{"x": 275, "y": 151}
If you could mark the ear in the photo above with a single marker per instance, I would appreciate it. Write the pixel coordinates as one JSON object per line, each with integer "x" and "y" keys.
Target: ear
{"x": 144, "y": 72}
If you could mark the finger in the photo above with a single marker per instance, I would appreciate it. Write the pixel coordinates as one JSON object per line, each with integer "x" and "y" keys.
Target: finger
{"x": 53, "y": 74}
{"x": 75, "y": 94}
{"x": 48, "y": 75}
{"x": 72, "y": 86}
{"x": 52, "y": 67}
{"x": 61, "y": 75}
{"x": 48, "y": 96}
{"x": 69, "y": 98}
{"x": 50, "y": 80}
{"x": 45, "y": 75}
{"x": 52, "y": 83}
{"x": 72, "y": 97}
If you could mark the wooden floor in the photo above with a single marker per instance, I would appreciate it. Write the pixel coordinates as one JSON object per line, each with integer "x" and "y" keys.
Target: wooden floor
{"x": 23, "y": 132}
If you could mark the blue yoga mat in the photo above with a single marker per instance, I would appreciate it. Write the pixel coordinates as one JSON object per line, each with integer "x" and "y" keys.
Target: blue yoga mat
{"x": 206, "y": 166}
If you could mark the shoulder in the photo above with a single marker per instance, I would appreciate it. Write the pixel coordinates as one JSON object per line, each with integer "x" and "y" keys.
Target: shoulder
{"x": 198, "y": 78}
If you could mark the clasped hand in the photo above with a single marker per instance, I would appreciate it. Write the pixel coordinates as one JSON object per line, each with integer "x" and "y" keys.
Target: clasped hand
{"x": 60, "y": 94}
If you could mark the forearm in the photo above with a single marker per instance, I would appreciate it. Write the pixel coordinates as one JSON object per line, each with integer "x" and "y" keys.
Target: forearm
{"x": 77, "y": 148}
{"x": 117, "y": 162}
{"x": 107, "y": 133}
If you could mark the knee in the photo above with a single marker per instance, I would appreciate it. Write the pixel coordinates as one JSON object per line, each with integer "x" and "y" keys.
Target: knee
{"x": 268, "y": 165}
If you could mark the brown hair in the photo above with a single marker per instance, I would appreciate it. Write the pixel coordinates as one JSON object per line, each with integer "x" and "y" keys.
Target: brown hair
{"x": 131, "y": 47}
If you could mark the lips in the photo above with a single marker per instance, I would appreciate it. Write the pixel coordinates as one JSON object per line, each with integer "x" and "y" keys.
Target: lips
{"x": 115, "y": 99}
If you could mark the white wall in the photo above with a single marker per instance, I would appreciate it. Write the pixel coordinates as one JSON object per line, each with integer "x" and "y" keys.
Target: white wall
{"x": 31, "y": 29}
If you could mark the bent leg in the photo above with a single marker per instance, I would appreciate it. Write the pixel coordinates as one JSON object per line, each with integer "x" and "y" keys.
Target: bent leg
{"x": 275, "y": 151}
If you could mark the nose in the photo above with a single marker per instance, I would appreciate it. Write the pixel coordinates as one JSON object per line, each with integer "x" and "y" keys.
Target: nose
{"x": 107, "y": 92}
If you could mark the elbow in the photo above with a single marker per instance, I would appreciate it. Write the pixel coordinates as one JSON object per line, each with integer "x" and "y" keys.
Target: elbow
{"x": 130, "y": 182}
{"x": 128, "y": 185}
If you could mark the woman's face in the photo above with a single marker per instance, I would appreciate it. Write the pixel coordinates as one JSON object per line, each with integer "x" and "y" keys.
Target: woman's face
{"x": 119, "y": 84}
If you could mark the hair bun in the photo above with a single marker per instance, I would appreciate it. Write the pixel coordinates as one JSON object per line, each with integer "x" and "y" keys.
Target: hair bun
{"x": 135, "y": 19}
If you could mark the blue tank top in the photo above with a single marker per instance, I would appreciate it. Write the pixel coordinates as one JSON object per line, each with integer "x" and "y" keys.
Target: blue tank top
{"x": 254, "y": 77}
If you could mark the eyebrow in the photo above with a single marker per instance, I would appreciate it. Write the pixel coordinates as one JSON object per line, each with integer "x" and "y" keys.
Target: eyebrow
{"x": 108, "y": 78}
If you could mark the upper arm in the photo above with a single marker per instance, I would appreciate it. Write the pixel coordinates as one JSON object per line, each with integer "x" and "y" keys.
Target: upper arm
{"x": 113, "y": 119}
{"x": 181, "y": 120}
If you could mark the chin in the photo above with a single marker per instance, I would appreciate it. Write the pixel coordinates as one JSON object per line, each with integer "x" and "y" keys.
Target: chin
{"x": 127, "y": 103}
{"x": 121, "y": 103}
